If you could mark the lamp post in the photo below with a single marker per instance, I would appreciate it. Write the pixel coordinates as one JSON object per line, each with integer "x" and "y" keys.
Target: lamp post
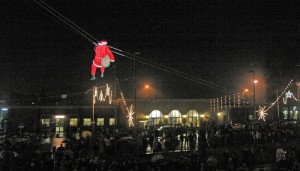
{"x": 135, "y": 117}
{"x": 245, "y": 98}
{"x": 146, "y": 88}
{"x": 94, "y": 95}
{"x": 115, "y": 103}
{"x": 298, "y": 91}
{"x": 93, "y": 117}
{"x": 254, "y": 105}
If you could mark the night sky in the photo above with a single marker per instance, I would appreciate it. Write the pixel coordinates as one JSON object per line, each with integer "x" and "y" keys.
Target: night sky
{"x": 206, "y": 42}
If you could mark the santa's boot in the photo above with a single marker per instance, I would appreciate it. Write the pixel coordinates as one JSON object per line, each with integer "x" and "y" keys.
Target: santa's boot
{"x": 93, "y": 77}
{"x": 102, "y": 74}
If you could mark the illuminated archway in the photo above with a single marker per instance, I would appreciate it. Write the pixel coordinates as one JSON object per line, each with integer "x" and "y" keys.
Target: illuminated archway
{"x": 193, "y": 118}
{"x": 174, "y": 117}
{"x": 156, "y": 117}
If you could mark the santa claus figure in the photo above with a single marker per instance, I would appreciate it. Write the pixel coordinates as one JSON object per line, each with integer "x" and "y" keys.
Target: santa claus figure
{"x": 103, "y": 57}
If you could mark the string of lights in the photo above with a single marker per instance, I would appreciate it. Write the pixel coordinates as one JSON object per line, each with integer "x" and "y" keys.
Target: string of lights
{"x": 289, "y": 94}
{"x": 130, "y": 109}
{"x": 121, "y": 93}
{"x": 215, "y": 106}
{"x": 279, "y": 97}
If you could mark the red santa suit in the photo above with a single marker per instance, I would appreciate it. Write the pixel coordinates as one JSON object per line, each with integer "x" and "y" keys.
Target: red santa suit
{"x": 101, "y": 51}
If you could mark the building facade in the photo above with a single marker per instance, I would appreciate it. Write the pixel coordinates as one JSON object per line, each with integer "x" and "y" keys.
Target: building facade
{"x": 149, "y": 112}
{"x": 65, "y": 118}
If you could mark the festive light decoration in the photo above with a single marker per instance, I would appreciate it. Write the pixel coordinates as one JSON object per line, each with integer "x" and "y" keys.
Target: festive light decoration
{"x": 130, "y": 113}
{"x": 218, "y": 104}
{"x": 102, "y": 59}
{"x": 233, "y": 100}
{"x": 225, "y": 103}
{"x": 239, "y": 100}
{"x": 272, "y": 104}
{"x": 221, "y": 103}
{"x": 262, "y": 112}
{"x": 289, "y": 95}
{"x": 229, "y": 101}
{"x": 214, "y": 105}
{"x": 129, "y": 110}
{"x": 101, "y": 97}
{"x": 232, "y": 97}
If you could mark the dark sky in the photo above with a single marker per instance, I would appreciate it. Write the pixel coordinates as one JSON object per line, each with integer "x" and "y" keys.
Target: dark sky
{"x": 209, "y": 41}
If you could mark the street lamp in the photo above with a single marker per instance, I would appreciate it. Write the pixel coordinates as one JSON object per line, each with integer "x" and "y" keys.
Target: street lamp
{"x": 147, "y": 91}
{"x": 254, "y": 87}
{"x": 245, "y": 96}
{"x": 93, "y": 101}
{"x": 94, "y": 96}
{"x": 135, "y": 117}
{"x": 245, "y": 100}
{"x": 298, "y": 91}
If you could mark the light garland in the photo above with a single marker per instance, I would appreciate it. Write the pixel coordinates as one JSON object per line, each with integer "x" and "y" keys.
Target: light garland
{"x": 221, "y": 103}
{"x": 218, "y": 104}
{"x": 239, "y": 100}
{"x": 262, "y": 111}
{"x": 101, "y": 97}
{"x": 225, "y": 103}
{"x": 282, "y": 93}
{"x": 233, "y": 100}
{"x": 289, "y": 95}
{"x": 130, "y": 111}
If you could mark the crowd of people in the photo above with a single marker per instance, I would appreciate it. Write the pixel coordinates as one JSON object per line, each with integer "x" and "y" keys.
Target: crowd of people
{"x": 178, "y": 148}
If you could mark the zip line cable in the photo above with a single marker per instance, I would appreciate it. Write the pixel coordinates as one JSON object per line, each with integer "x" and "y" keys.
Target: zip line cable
{"x": 68, "y": 24}
{"x": 186, "y": 76}
{"x": 80, "y": 29}
{"x": 94, "y": 39}
{"x": 90, "y": 38}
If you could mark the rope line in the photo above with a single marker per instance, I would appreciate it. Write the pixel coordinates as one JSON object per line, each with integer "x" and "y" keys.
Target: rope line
{"x": 57, "y": 15}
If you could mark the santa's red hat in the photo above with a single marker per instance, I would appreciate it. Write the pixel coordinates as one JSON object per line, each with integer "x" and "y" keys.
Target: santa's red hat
{"x": 102, "y": 42}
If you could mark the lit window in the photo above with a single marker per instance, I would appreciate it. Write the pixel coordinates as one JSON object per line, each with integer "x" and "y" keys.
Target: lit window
{"x": 46, "y": 122}
{"x": 100, "y": 121}
{"x": 175, "y": 114}
{"x": 112, "y": 121}
{"x": 87, "y": 122}
{"x": 73, "y": 122}
{"x": 155, "y": 114}
{"x": 192, "y": 114}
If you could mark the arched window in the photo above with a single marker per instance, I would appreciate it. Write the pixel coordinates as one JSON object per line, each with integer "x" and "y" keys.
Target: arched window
{"x": 193, "y": 118}
{"x": 156, "y": 117}
{"x": 295, "y": 113}
{"x": 155, "y": 114}
{"x": 174, "y": 117}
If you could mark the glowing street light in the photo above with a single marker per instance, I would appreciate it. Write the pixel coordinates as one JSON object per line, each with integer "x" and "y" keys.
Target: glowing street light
{"x": 254, "y": 87}
{"x": 147, "y": 91}
{"x": 246, "y": 101}
{"x": 245, "y": 96}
